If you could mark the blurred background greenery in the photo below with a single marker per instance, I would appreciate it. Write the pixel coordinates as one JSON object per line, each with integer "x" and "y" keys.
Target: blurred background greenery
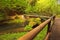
{"x": 12, "y": 12}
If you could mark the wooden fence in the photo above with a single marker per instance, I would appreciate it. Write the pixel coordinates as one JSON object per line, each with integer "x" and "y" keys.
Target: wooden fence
{"x": 32, "y": 34}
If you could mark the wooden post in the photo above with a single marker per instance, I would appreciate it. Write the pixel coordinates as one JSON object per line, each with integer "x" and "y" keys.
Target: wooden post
{"x": 48, "y": 31}
{"x": 49, "y": 28}
{"x": 53, "y": 19}
{"x": 49, "y": 24}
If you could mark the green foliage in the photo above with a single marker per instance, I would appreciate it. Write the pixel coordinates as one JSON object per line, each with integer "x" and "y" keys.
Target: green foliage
{"x": 17, "y": 5}
{"x": 16, "y": 21}
{"x": 15, "y": 36}
{"x": 37, "y": 20}
{"x": 28, "y": 27}
{"x": 44, "y": 6}
{"x": 42, "y": 34}
{"x": 27, "y": 6}
{"x": 58, "y": 9}
{"x": 32, "y": 22}
{"x": 13, "y": 3}
{"x": 2, "y": 16}
{"x": 12, "y": 36}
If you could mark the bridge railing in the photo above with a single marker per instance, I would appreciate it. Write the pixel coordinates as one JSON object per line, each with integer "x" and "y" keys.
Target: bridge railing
{"x": 32, "y": 34}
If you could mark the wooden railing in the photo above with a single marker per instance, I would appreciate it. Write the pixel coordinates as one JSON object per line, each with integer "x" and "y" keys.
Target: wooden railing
{"x": 30, "y": 35}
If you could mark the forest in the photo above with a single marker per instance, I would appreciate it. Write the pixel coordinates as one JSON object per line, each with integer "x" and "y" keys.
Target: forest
{"x": 15, "y": 20}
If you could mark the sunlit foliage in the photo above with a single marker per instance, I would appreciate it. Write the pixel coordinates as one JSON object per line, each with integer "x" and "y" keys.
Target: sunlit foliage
{"x": 29, "y": 6}
{"x": 58, "y": 11}
{"x": 45, "y": 6}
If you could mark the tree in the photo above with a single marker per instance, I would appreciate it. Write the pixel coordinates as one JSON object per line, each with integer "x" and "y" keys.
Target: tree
{"x": 28, "y": 6}
{"x": 41, "y": 6}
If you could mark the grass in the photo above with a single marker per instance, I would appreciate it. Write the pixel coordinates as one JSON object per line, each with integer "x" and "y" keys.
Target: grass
{"x": 41, "y": 35}
{"x": 15, "y": 36}
{"x": 12, "y": 36}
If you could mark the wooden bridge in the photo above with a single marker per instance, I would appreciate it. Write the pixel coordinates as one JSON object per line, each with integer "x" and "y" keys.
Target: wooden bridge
{"x": 53, "y": 32}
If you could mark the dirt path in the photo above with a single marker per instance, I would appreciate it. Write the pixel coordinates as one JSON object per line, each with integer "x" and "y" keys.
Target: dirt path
{"x": 11, "y": 28}
{"x": 55, "y": 32}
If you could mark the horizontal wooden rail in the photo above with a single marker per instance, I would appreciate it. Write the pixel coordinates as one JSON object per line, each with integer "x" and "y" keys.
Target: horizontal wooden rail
{"x": 30, "y": 35}
{"x": 36, "y": 16}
